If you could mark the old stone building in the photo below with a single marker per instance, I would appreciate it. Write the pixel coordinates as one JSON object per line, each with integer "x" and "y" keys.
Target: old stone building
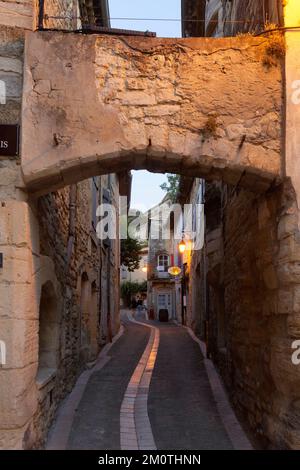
{"x": 190, "y": 286}
{"x": 161, "y": 285}
{"x": 65, "y": 305}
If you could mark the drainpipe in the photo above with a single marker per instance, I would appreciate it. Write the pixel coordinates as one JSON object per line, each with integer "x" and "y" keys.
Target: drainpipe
{"x": 206, "y": 297}
{"x": 71, "y": 238}
{"x": 72, "y": 223}
{"x": 109, "y": 327}
{"x": 100, "y": 268}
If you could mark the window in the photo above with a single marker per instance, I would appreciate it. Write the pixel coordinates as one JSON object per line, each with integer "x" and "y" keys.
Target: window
{"x": 163, "y": 263}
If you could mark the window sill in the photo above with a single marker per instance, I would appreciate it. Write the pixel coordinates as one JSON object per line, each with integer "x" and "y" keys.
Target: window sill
{"x": 44, "y": 376}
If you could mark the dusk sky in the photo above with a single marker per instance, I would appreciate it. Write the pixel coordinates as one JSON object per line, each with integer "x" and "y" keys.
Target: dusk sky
{"x": 145, "y": 189}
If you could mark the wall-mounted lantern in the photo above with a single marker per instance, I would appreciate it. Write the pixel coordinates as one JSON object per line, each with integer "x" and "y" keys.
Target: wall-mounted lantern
{"x": 182, "y": 246}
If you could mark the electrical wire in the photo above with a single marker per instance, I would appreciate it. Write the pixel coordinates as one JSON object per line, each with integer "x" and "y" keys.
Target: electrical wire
{"x": 186, "y": 20}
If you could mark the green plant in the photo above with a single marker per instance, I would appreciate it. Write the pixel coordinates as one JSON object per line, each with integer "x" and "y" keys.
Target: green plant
{"x": 130, "y": 253}
{"x": 129, "y": 289}
{"x": 143, "y": 286}
{"x": 172, "y": 186}
{"x": 210, "y": 128}
{"x": 275, "y": 47}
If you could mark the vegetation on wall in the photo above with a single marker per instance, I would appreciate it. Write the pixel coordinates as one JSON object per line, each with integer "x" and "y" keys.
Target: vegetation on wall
{"x": 210, "y": 128}
{"x": 275, "y": 47}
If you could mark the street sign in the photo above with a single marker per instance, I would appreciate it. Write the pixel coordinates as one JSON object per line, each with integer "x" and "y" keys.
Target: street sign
{"x": 9, "y": 140}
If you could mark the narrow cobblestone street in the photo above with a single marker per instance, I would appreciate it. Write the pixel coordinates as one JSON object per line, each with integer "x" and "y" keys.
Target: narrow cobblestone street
{"x": 182, "y": 410}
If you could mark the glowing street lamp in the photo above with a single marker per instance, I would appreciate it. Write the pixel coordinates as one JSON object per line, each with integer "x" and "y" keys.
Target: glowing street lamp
{"x": 182, "y": 246}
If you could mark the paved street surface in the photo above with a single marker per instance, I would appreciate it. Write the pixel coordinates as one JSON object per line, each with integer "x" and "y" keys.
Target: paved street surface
{"x": 181, "y": 407}
{"x": 97, "y": 420}
{"x": 182, "y": 410}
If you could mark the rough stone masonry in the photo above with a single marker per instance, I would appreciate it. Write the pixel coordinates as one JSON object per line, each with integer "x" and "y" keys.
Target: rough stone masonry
{"x": 93, "y": 104}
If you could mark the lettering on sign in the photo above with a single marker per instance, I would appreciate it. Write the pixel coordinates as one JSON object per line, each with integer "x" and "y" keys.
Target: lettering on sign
{"x": 9, "y": 140}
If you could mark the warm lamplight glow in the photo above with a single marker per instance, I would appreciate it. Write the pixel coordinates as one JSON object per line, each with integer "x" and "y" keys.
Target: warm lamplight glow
{"x": 174, "y": 270}
{"x": 144, "y": 269}
{"x": 292, "y": 13}
{"x": 182, "y": 247}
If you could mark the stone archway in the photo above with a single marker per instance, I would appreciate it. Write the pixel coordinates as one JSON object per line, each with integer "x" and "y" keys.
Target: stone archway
{"x": 94, "y": 105}
{"x": 98, "y": 104}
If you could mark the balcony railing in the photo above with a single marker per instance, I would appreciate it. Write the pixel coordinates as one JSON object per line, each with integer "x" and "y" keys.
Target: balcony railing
{"x": 156, "y": 274}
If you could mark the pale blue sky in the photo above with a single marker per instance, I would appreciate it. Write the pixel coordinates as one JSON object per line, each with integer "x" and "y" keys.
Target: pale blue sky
{"x": 145, "y": 188}
{"x": 146, "y": 192}
{"x": 170, "y": 9}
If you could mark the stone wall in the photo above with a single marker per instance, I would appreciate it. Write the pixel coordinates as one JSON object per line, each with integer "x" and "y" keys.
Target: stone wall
{"x": 80, "y": 266}
{"x": 58, "y": 14}
{"x": 19, "y": 14}
{"x": 44, "y": 251}
{"x": 11, "y": 74}
{"x": 35, "y": 242}
{"x": 244, "y": 284}
{"x": 61, "y": 14}
{"x": 253, "y": 310}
